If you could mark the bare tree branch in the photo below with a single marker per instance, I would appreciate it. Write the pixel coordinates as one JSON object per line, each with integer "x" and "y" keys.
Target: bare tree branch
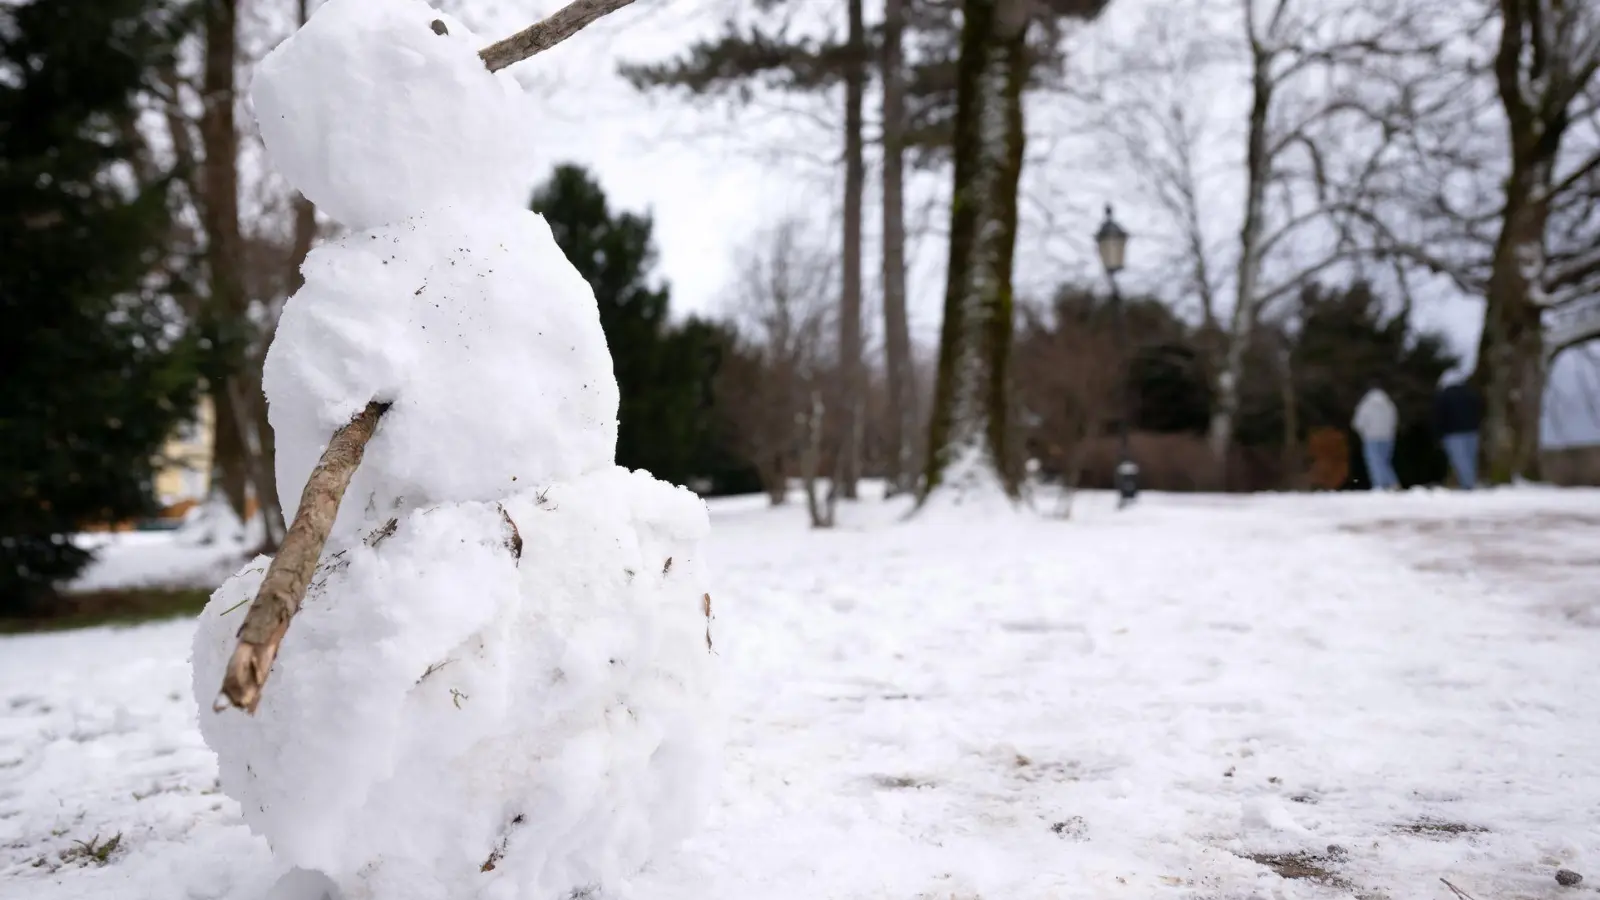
{"x": 548, "y": 32}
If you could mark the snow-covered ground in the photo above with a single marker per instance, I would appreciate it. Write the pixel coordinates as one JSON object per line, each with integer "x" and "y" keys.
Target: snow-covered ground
{"x": 207, "y": 547}
{"x": 1377, "y": 691}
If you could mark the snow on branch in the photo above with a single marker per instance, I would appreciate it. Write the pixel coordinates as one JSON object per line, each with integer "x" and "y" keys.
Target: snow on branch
{"x": 548, "y": 32}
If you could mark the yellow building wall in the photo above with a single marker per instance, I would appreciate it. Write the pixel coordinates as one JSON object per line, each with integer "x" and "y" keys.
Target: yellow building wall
{"x": 184, "y": 475}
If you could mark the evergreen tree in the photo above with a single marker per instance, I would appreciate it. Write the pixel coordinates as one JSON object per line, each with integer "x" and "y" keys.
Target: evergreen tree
{"x": 704, "y": 346}
{"x": 664, "y": 374}
{"x": 97, "y": 376}
{"x": 1345, "y": 342}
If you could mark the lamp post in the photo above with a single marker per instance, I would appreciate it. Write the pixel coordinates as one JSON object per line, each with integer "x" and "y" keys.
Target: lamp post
{"x": 1113, "y": 244}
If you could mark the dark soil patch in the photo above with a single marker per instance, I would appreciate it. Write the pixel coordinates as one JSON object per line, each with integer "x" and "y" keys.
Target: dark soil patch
{"x": 900, "y": 782}
{"x": 1440, "y": 828}
{"x": 1307, "y": 866}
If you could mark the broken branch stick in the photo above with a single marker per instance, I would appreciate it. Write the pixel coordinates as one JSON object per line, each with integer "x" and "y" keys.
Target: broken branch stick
{"x": 547, "y": 32}
{"x": 284, "y": 586}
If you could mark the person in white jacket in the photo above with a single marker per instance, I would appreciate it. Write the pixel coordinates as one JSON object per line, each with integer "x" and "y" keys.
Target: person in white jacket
{"x": 1376, "y": 421}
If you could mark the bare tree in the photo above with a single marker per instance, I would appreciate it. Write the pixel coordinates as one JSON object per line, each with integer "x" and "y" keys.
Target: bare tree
{"x": 1330, "y": 85}
{"x": 1504, "y": 199}
{"x": 1149, "y": 121}
{"x": 1285, "y": 43}
{"x": 1069, "y": 382}
{"x": 1547, "y": 69}
{"x": 242, "y": 441}
{"x": 771, "y": 384}
{"x": 219, "y": 214}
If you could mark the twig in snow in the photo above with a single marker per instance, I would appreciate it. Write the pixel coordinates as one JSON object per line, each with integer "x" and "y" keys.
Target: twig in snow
{"x": 284, "y": 587}
{"x": 379, "y": 535}
{"x": 548, "y": 32}
{"x": 1457, "y": 891}
{"x": 432, "y": 668}
{"x": 513, "y": 540}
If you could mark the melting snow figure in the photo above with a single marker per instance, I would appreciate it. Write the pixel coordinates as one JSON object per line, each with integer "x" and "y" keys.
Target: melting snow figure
{"x": 499, "y": 684}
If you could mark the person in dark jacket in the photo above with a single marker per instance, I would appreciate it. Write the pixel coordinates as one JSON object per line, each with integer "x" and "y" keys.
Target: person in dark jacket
{"x": 1457, "y": 413}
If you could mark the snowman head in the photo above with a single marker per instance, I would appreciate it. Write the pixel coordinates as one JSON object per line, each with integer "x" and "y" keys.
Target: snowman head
{"x": 378, "y": 110}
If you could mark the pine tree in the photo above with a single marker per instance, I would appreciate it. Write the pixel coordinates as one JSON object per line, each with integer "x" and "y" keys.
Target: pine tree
{"x": 97, "y": 371}
{"x": 664, "y": 374}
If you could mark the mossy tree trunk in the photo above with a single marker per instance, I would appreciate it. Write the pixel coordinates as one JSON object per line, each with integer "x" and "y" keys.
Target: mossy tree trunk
{"x": 969, "y": 435}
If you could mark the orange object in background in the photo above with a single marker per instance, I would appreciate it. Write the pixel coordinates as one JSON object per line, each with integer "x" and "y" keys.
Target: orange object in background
{"x": 177, "y": 510}
{"x": 168, "y": 517}
{"x": 1329, "y": 450}
{"x": 103, "y": 527}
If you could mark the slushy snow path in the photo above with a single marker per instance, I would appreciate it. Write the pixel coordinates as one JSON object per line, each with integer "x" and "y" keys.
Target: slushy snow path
{"x": 1193, "y": 699}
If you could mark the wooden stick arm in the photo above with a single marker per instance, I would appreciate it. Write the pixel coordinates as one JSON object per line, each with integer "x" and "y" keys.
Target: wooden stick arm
{"x": 547, "y": 32}
{"x": 284, "y": 586}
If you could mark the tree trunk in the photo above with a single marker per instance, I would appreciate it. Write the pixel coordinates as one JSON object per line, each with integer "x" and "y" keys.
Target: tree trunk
{"x": 847, "y": 462}
{"x": 1293, "y": 468}
{"x": 264, "y": 457}
{"x": 224, "y": 312}
{"x": 305, "y": 233}
{"x": 1530, "y": 69}
{"x": 228, "y": 451}
{"x": 305, "y": 212}
{"x": 775, "y": 479}
{"x": 1229, "y": 371}
{"x": 969, "y": 438}
{"x": 902, "y": 424}
{"x": 248, "y": 402}
{"x": 1511, "y": 358}
{"x": 819, "y": 503}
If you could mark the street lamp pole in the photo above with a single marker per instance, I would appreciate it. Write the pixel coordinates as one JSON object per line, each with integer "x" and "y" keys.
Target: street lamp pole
{"x": 1113, "y": 243}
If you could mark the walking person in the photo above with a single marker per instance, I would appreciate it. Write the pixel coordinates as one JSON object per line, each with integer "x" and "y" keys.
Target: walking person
{"x": 1457, "y": 414}
{"x": 1376, "y": 421}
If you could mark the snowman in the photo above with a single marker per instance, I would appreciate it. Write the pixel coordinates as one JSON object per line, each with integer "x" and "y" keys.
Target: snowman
{"x": 498, "y": 684}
